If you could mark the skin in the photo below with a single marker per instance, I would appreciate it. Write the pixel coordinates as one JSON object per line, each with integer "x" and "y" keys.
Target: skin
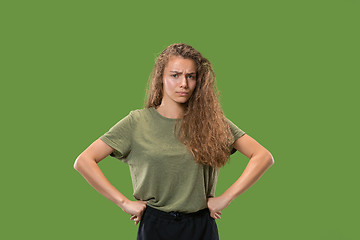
{"x": 260, "y": 160}
{"x": 179, "y": 76}
{"x": 172, "y": 106}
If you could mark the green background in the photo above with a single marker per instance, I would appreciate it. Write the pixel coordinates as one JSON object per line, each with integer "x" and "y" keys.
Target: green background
{"x": 286, "y": 73}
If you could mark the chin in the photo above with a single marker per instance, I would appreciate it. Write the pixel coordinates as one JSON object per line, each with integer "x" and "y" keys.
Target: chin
{"x": 182, "y": 100}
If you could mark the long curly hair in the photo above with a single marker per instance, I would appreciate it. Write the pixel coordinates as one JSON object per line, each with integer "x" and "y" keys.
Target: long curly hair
{"x": 203, "y": 128}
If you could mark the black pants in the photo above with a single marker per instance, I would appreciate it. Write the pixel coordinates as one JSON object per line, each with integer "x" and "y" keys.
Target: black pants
{"x": 159, "y": 225}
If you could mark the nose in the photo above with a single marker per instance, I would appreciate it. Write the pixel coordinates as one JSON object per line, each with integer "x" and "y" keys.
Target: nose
{"x": 184, "y": 82}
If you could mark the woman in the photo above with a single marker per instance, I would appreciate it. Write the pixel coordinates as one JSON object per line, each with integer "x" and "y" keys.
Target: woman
{"x": 174, "y": 148}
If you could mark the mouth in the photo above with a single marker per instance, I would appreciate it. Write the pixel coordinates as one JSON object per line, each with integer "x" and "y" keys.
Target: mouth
{"x": 183, "y": 93}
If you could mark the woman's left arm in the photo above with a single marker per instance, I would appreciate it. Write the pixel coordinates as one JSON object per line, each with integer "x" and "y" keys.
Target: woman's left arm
{"x": 260, "y": 160}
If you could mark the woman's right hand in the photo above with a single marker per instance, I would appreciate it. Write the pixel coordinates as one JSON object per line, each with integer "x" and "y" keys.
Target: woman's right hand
{"x": 135, "y": 209}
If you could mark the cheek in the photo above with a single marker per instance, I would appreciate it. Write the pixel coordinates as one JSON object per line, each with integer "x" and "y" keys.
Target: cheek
{"x": 170, "y": 85}
{"x": 193, "y": 85}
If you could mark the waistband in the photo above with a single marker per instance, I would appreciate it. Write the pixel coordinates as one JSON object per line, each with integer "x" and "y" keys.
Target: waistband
{"x": 174, "y": 215}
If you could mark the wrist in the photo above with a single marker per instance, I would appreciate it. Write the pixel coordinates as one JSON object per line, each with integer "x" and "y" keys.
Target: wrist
{"x": 121, "y": 201}
{"x": 228, "y": 197}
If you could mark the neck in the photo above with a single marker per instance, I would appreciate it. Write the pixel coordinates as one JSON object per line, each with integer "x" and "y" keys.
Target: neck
{"x": 171, "y": 111}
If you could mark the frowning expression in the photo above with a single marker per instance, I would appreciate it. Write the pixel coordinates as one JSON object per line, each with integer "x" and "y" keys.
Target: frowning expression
{"x": 179, "y": 79}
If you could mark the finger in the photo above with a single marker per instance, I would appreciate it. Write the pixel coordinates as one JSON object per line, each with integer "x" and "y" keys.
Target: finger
{"x": 132, "y": 217}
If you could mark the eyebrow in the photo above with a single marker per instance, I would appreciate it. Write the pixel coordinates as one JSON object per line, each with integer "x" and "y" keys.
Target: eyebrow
{"x": 181, "y": 72}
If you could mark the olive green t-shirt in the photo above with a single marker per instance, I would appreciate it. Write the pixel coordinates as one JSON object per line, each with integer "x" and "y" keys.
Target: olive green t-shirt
{"x": 162, "y": 169}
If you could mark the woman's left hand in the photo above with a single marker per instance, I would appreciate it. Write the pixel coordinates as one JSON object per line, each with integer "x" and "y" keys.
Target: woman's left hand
{"x": 216, "y": 204}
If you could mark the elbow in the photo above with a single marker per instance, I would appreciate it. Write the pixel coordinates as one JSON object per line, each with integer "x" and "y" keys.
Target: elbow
{"x": 83, "y": 162}
{"x": 267, "y": 157}
{"x": 78, "y": 163}
{"x": 271, "y": 159}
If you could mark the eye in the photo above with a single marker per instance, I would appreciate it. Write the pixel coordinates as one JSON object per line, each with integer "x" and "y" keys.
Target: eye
{"x": 173, "y": 75}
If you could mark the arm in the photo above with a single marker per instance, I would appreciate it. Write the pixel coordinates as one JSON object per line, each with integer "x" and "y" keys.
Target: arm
{"x": 260, "y": 160}
{"x": 87, "y": 165}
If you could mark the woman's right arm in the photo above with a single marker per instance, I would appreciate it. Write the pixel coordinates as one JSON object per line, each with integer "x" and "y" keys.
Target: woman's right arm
{"x": 87, "y": 165}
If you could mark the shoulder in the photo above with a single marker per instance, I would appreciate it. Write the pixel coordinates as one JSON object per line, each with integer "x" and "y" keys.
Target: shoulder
{"x": 139, "y": 114}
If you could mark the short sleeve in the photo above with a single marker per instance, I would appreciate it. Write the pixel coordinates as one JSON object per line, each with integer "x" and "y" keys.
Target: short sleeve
{"x": 236, "y": 132}
{"x": 119, "y": 137}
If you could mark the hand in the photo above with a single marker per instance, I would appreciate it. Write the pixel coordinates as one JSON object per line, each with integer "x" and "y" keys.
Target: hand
{"x": 216, "y": 204}
{"x": 135, "y": 209}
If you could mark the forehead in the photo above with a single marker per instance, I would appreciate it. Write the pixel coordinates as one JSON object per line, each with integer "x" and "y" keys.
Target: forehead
{"x": 180, "y": 64}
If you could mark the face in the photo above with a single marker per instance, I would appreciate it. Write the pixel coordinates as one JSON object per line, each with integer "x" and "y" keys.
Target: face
{"x": 179, "y": 76}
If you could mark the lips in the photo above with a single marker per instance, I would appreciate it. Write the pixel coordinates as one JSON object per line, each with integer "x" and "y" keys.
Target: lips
{"x": 182, "y": 93}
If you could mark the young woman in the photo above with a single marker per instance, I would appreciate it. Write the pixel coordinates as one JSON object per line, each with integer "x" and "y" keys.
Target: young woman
{"x": 174, "y": 148}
